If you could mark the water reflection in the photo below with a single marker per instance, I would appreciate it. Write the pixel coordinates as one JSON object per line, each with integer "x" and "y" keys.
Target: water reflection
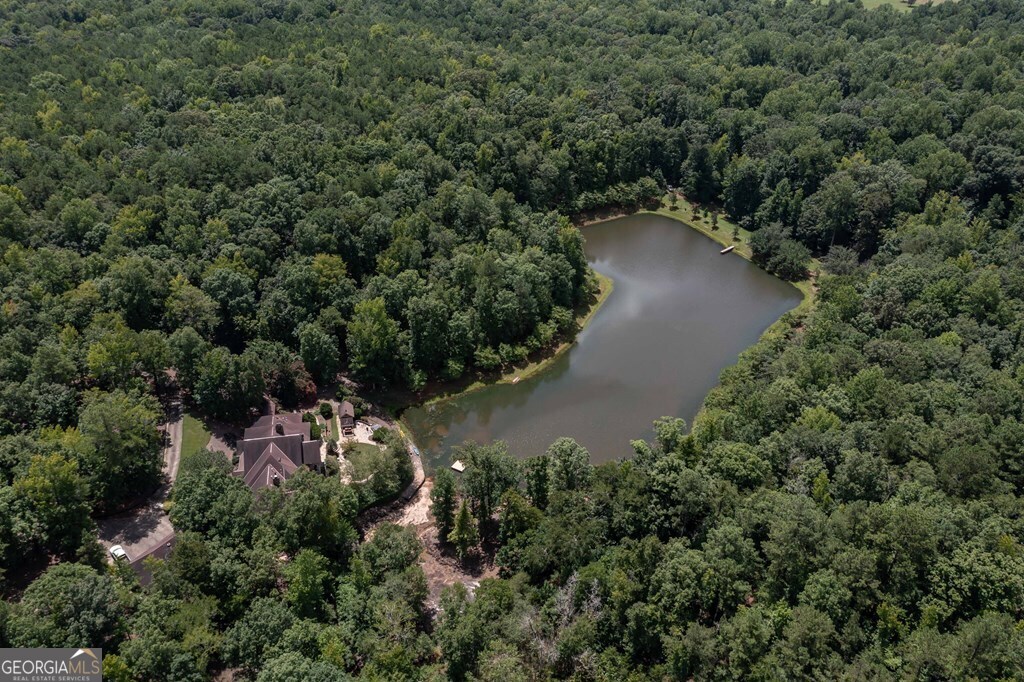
{"x": 679, "y": 313}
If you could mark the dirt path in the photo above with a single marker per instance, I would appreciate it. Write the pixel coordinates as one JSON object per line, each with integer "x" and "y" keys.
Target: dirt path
{"x": 440, "y": 565}
{"x": 418, "y": 477}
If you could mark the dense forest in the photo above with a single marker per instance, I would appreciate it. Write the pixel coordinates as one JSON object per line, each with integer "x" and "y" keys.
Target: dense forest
{"x": 261, "y": 194}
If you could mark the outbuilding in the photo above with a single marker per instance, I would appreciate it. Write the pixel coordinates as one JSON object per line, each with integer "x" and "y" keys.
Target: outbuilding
{"x": 347, "y": 418}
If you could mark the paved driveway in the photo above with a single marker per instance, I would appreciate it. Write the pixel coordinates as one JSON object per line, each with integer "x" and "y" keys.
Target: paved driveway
{"x": 146, "y": 528}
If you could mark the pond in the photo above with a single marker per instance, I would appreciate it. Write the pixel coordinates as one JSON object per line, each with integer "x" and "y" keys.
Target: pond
{"x": 679, "y": 313}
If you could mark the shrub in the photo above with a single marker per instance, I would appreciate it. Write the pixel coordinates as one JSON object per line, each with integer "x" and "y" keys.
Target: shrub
{"x": 314, "y": 428}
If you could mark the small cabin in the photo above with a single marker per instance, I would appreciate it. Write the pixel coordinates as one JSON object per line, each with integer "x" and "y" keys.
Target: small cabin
{"x": 347, "y": 418}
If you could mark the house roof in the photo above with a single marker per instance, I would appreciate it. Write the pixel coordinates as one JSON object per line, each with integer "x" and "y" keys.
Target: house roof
{"x": 276, "y": 446}
{"x": 346, "y": 409}
{"x": 273, "y": 465}
{"x": 287, "y": 424}
{"x": 253, "y": 448}
{"x": 311, "y": 452}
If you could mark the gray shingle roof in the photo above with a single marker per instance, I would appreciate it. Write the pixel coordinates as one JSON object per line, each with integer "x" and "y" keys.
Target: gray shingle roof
{"x": 346, "y": 414}
{"x": 276, "y": 446}
{"x": 270, "y": 467}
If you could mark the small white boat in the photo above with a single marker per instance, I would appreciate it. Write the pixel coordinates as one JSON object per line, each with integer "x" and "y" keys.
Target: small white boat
{"x": 457, "y": 465}
{"x": 727, "y": 249}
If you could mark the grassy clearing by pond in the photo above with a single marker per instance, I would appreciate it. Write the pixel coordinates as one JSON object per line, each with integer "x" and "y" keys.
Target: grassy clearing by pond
{"x": 361, "y": 457}
{"x": 902, "y": 5}
{"x": 898, "y": 5}
{"x": 724, "y": 235}
{"x": 685, "y": 211}
{"x": 194, "y": 436}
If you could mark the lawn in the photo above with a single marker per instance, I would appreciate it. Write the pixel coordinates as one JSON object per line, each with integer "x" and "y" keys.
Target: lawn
{"x": 335, "y": 427}
{"x": 898, "y": 5}
{"x": 684, "y": 211}
{"x": 895, "y": 4}
{"x": 194, "y": 436}
{"x": 362, "y": 457}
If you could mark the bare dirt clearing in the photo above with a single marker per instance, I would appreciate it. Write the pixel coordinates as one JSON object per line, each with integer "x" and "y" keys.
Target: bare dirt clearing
{"x": 440, "y": 565}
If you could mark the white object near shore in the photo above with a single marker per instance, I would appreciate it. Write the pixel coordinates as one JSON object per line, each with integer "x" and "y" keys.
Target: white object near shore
{"x": 727, "y": 249}
{"x": 457, "y": 465}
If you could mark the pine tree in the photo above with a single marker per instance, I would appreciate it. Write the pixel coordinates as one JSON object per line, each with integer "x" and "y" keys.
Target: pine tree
{"x": 464, "y": 535}
{"x": 443, "y": 500}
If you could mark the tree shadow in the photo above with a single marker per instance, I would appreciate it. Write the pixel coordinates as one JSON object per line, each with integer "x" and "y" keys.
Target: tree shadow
{"x": 131, "y": 528}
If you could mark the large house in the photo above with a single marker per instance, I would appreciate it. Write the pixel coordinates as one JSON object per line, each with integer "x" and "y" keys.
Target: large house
{"x": 274, "y": 448}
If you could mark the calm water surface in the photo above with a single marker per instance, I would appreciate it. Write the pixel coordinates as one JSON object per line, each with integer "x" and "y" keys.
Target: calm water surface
{"x": 678, "y": 314}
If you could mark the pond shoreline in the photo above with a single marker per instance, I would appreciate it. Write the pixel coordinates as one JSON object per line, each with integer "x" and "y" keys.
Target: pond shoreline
{"x": 723, "y": 236}
{"x": 435, "y": 392}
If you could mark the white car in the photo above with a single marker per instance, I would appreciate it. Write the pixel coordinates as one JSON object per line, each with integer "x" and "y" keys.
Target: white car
{"x": 117, "y": 551}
